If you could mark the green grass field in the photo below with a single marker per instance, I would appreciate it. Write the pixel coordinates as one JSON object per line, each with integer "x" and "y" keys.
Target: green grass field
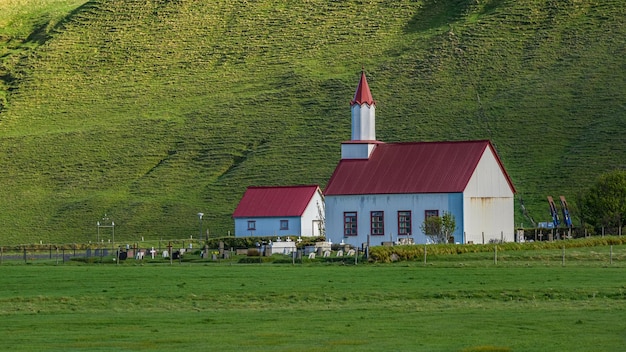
{"x": 455, "y": 303}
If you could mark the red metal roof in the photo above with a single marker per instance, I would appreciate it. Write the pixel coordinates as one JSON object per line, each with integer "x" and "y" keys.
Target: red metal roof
{"x": 275, "y": 201}
{"x": 363, "y": 94}
{"x": 419, "y": 167}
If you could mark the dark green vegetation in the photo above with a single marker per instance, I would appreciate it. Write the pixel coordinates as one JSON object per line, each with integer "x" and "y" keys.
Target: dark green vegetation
{"x": 151, "y": 111}
{"x": 579, "y": 249}
{"x": 605, "y": 202}
{"x": 536, "y": 306}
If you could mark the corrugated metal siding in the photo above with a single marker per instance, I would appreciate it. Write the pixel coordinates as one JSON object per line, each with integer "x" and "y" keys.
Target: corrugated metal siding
{"x": 390, "y": 204}
{"x": 422, "y": 167}
{"x": 275, "y": 201}
{"x": 487, "y": 180}
{"x": 489, "y": 219}
{"x": 267, "y": 226}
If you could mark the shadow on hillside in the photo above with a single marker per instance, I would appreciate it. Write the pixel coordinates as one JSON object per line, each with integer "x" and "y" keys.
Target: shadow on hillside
{"x": 43, "y": 32}
{"x": 86, "y": 7}
{"x": 438, "y": 13}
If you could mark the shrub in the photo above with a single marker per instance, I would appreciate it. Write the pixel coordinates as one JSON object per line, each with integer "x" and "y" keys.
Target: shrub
{"x": 256, "y": 260}
{"x": 251, "y": 242}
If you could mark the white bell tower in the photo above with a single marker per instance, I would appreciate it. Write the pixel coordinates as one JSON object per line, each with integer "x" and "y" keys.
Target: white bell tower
{"x": 363, "y": 137}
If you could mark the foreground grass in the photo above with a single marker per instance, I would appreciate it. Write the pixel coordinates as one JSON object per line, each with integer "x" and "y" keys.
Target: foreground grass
{"x": 312, "y": 308}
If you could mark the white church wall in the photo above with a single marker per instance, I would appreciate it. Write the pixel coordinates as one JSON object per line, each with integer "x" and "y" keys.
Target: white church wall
{"x": 489, "y": 218}
{"x": 489, "y": 203}
{"x": 363, "y": 122}
{"x": 310, "y": 214}
{"x": 356, "y": 150}
{"x": 488, "y": 179}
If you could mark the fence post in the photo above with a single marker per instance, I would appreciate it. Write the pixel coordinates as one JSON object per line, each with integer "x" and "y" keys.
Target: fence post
{"x": 24, "y": 254}
{"x": 1, "y": 250}
{"x": 563, "y": 255}
{"x": 424, "y": 253}
{"x": 611, "y": 255}
{"x": 169, "y": 248}
{"x": 495, "y": 254}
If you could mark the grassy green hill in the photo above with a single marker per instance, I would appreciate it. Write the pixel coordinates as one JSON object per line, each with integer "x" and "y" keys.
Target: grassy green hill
{"x": 151, "y": 111}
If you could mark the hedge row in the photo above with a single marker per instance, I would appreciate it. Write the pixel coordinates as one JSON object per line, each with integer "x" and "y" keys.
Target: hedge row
{"x": 251, "y": 242}
{"x": 385, "y": 254}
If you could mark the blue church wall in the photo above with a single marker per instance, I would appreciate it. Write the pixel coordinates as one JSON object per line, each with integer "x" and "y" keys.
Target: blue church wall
{"x": 390, "y": 205}
{"x": 267, "y": 226}
{"x": 455, "y": 207}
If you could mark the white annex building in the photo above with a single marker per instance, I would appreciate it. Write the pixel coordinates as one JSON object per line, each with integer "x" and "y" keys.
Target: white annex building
{"x": 279, "y": 211}
{"x": 382, "y": 192}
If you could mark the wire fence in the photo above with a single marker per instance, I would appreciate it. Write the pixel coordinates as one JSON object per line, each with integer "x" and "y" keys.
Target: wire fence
{"x": 170, "y": 251}
{"x": 591, "y": 249}
{"x": 99, "y": 252}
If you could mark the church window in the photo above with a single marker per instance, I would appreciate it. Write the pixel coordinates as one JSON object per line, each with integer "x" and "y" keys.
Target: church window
{"x": 404, "y": 223}
{"x": 377, "y": 223}
{"x": 349, "y": 224}
{"x": 429, "y": 213}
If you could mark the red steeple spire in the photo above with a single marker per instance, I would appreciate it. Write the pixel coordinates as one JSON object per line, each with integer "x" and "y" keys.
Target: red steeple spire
{"x": 363, "y": 94}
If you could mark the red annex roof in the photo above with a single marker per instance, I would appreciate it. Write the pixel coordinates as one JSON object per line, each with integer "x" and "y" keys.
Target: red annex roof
{"x": 418, "y": 167}
{"x": 363, "y": 95}
{"x": 275, "y": 201}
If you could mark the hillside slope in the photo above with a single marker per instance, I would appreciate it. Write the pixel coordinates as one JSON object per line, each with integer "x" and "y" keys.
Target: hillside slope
{"x": 151, "y": 111}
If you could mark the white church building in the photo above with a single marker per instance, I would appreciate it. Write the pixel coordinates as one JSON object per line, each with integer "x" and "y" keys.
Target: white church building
{"x": 382, "y": 192}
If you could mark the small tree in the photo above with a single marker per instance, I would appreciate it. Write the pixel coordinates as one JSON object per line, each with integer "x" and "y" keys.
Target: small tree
{"x": 321, "y": 213}
{"x": 605, "y": 202}
{"x": 439, "y": 229}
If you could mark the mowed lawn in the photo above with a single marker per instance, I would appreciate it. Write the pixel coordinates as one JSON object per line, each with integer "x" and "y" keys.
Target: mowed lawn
{"x": 317, "y": 307}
